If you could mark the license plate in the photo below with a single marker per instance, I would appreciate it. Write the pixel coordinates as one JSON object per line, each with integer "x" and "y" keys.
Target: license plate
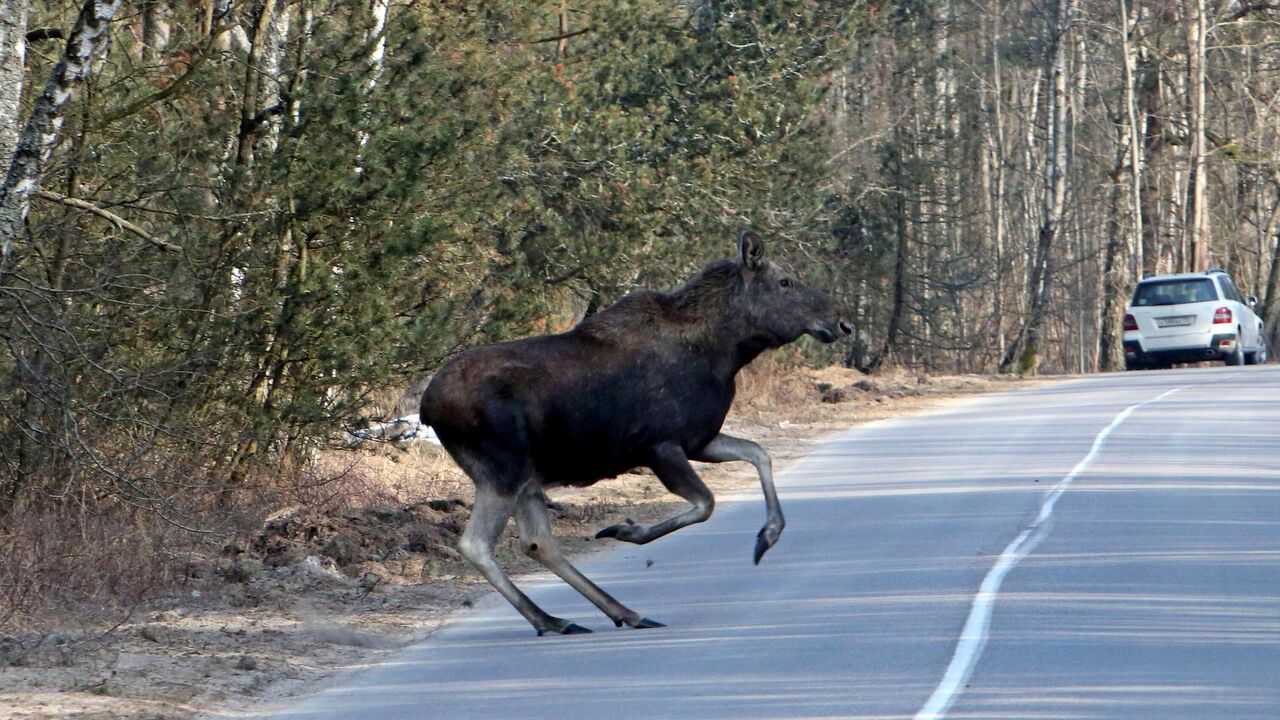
{"x": 1179, "y": 321}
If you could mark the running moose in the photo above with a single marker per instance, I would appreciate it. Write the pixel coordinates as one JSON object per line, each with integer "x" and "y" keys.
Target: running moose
{"x": 646, "y": 382}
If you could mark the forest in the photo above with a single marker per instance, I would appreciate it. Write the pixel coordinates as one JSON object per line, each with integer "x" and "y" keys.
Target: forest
{"x": 232, "y": 230}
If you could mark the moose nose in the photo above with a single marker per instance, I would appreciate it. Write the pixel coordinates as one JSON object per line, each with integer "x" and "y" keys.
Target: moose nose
{"x": 845, "y": 327}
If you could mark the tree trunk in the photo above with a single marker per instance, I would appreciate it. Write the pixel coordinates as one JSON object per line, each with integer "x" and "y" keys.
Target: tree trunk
{"x": 254, "y": 76}
{"x": 1114, "y": 278}
{"x": 1086, "y": 303}
{"x": 1022, "y": 353}
{"x": 1030, "y": 162}
{"x": 994, "y": 173}
{"x": 156, "y": 25}
{"x": 1152, "y": 124}
{"x": 13, "y": 31}
{"x": 1270, "y": 313}
{"x": 1196, "y": 229}
{"x": 1127, "y": 29}
{"x": 899, "y": 300}
{"x": 562, "y": 46}
{"x": 87, "y": 38}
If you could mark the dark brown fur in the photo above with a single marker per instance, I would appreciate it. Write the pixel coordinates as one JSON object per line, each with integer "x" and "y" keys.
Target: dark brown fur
{"x": 645, "y": 382}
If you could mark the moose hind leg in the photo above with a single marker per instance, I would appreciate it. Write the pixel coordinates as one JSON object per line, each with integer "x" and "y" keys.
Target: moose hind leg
{"x": 537, "y": 541}
{"x": 489, "y": 516}
{"x": 673, "y": 469}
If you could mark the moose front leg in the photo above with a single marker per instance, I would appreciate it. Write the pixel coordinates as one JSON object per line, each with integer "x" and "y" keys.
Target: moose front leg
{"x": 726, "y": 448}
{"x": 672, "y": 467}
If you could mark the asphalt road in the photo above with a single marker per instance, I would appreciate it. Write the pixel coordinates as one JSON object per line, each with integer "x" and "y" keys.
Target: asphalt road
{"x": 1049, "y": 553}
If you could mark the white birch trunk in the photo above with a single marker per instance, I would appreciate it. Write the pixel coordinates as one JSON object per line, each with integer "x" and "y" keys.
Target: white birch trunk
{"x": 156, "y": 28}
{"x": 275, "y": 45}
{"x": 13, "y": 52}
{"x": 42, "y": 130}
{"x": 1128, "y": 27}
{"x": 997, "y": 155}
{"x": 1197, "y": 225}
{"x": 1023, "y": 353}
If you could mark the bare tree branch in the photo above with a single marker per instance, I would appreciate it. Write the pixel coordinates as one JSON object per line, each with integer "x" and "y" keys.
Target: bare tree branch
{"x": 109, "y": 216}
{"x": 197, "y": 62}
{"x": 562, "y": 36}
{"x": 42, "y": 34}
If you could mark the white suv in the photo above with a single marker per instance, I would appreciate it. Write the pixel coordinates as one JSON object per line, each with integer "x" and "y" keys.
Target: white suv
{"x": 1190, "y": 318}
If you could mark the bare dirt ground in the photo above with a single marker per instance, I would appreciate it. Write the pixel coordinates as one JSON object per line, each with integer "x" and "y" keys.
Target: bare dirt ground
{"x": 313, "y": 592}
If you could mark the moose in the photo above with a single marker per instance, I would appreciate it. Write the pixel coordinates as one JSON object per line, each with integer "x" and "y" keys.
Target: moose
{"x": 646, "y": 382}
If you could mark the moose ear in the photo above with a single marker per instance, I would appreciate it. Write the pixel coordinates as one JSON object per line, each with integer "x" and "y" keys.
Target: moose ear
{"x": 751, "y": 248}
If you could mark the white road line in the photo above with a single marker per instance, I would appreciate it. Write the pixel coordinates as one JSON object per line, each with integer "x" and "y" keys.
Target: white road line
{"x": 973, "y": 638}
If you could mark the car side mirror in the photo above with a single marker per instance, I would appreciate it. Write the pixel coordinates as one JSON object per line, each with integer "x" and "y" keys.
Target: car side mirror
{"x": 1252, "y": 300}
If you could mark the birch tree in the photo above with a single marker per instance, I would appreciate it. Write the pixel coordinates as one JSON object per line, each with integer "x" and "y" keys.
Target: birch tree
{"x": 13, "y": 30}
{"x": 42, "y": 129}
{"x": 1023, "y": 352}
{"x": 1196, "y": 227}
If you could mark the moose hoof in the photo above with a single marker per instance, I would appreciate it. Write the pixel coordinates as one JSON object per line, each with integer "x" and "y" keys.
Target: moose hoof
{"x": 625, "y": 532}
{"x": 762, "y": 546}
{"x": 564, "y": 627}
{"x": 764, "y": 541}
{"x": 647, "y": 623}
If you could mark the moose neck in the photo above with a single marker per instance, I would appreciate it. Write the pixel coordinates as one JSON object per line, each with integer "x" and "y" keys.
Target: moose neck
{"x": 749, "y": 348}
{"x": 729, "y": 344}
{"x": 710, "y": 305}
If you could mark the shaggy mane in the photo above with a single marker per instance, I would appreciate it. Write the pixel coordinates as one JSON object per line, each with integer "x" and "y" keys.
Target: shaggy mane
{"x": 693, "y": 309}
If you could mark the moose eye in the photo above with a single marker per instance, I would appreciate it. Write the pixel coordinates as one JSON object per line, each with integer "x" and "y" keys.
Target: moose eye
{"x": 784, "y": 282}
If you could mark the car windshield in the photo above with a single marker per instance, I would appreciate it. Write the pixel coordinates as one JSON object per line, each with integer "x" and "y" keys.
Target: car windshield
{"x": 1173, "y": 292}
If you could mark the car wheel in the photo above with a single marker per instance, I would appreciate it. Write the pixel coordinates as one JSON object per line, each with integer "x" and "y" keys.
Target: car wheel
{"x": 1257, "y": 356}
{"x": 1237, "y": 356}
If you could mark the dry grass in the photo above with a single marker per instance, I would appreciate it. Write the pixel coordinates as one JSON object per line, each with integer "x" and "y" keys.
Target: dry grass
{"x": 90, "y": 569}
{"x": 775, "y": 384}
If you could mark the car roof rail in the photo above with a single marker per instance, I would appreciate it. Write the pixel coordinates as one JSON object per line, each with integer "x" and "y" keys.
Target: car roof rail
{"x": 1213, "y": 270}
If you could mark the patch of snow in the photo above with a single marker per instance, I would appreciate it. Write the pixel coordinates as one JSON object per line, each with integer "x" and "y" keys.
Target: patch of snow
{"x": 404, "y": 429}
{"x": 320, "y": 566}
